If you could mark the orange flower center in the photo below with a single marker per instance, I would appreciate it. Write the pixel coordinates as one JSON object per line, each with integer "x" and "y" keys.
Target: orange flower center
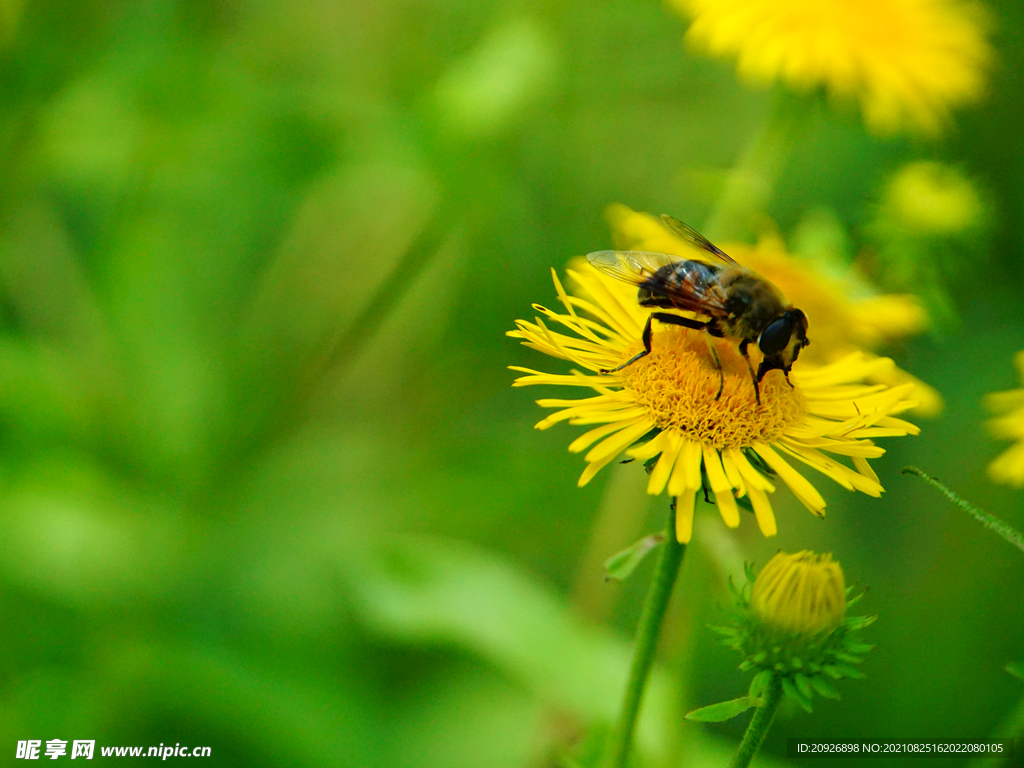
{"x": 678, "y": 381}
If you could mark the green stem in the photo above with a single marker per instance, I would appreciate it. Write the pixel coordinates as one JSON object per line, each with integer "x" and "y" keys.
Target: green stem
{"x": 759, "y": 724}
{"x": 751, "y": 182}
{"x": 669, "y": 560}
{"x": 991, "y": 522}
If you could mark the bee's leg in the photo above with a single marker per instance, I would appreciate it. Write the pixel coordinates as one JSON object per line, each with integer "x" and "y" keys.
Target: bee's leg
{"x": 642, "y": 353}
{"x": 663, "y": 317}
{"x": 753, "y": 377}
{"x": 770, "y": 365}
{"x": 718, "y": 364}
{"x": 686, "y": 322}
{"x": 712, "y": 330}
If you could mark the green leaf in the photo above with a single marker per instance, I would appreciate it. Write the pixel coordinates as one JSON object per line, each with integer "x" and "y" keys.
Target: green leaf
{"x": 849, "y": 658}
{"x": 1015, "y": 668}
{"x": 432, "y": 591}
{"x": 803, "y": 685}
{"x": 854, "y": 623}
{"x": 759, "y": 685}
{"x": 823, "y": 688}
{"x": 847, "y": 671}
{"x": 792, "y": 692}
{"x": 619, "y": 566}
{"x": 717, "y": 713}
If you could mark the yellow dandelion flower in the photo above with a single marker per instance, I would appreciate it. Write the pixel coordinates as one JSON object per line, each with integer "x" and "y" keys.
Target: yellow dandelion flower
{"x": 801, "y": 594}
{"x": 841, "y": 321}
{"x": 908, "y": 62}
{"x": 1009, "y": 425}
{"x": 663, "y": 408}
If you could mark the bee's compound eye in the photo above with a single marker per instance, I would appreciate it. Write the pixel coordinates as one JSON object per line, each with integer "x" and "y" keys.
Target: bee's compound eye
{"x": 775, "y": 337}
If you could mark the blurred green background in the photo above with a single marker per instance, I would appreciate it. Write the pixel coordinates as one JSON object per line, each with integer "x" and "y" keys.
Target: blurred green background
{"x": 264, "y": 485}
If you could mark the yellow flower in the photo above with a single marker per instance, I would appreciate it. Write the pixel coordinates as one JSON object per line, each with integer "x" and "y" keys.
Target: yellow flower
{"x": 841, "y": 321}
{"x": 1009, "y": 466}
{"x": 908, "y": 62}
{"x": 801, "y": 594}
{"x": 931, "y": 198}
{"x": 663, "y": 408}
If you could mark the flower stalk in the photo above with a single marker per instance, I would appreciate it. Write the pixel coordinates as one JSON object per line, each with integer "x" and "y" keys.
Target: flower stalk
{"x": 759, "y": 723}
{"x": 669, "y": 561}
{"x": 990, "y": 521}
{"x": 750, "y": 183}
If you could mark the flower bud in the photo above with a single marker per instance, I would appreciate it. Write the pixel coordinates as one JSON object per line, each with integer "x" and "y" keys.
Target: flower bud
{"x": 801, "y": 594}
{"x": 790, "y": 623}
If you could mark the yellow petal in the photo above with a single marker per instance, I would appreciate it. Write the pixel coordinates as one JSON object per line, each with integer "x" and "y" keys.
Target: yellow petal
{"x": 684, "y": 515}
{"x": 762, "y": 511}
{"x": 687, "y": 466}
{"x": 799, "y": 484}
{"x": 663, "y": 469}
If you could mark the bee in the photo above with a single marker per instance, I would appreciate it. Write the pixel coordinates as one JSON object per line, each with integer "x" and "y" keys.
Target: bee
{"x": 738, "y": 303}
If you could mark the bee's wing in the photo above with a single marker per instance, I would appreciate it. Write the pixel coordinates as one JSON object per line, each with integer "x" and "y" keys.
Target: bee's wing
{"x": 634, "y": 267}
{"x": 714, "y": 254}
{"x": 691, "y": 286}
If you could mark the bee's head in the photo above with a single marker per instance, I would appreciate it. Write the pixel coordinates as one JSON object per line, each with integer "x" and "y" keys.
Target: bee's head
{"x": 781, "y": 341}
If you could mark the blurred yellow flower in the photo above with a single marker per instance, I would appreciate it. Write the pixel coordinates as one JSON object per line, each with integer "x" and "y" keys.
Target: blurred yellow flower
{"x": 1009, "y": 424}
{"x": 801, "y": 594}
{"x": 663, "y": 408}
{"x": 929, "y": 230}
{"x": 933, "y": 199}
{"x": 908, "y": 62}
{"x": 840, "y": 322}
